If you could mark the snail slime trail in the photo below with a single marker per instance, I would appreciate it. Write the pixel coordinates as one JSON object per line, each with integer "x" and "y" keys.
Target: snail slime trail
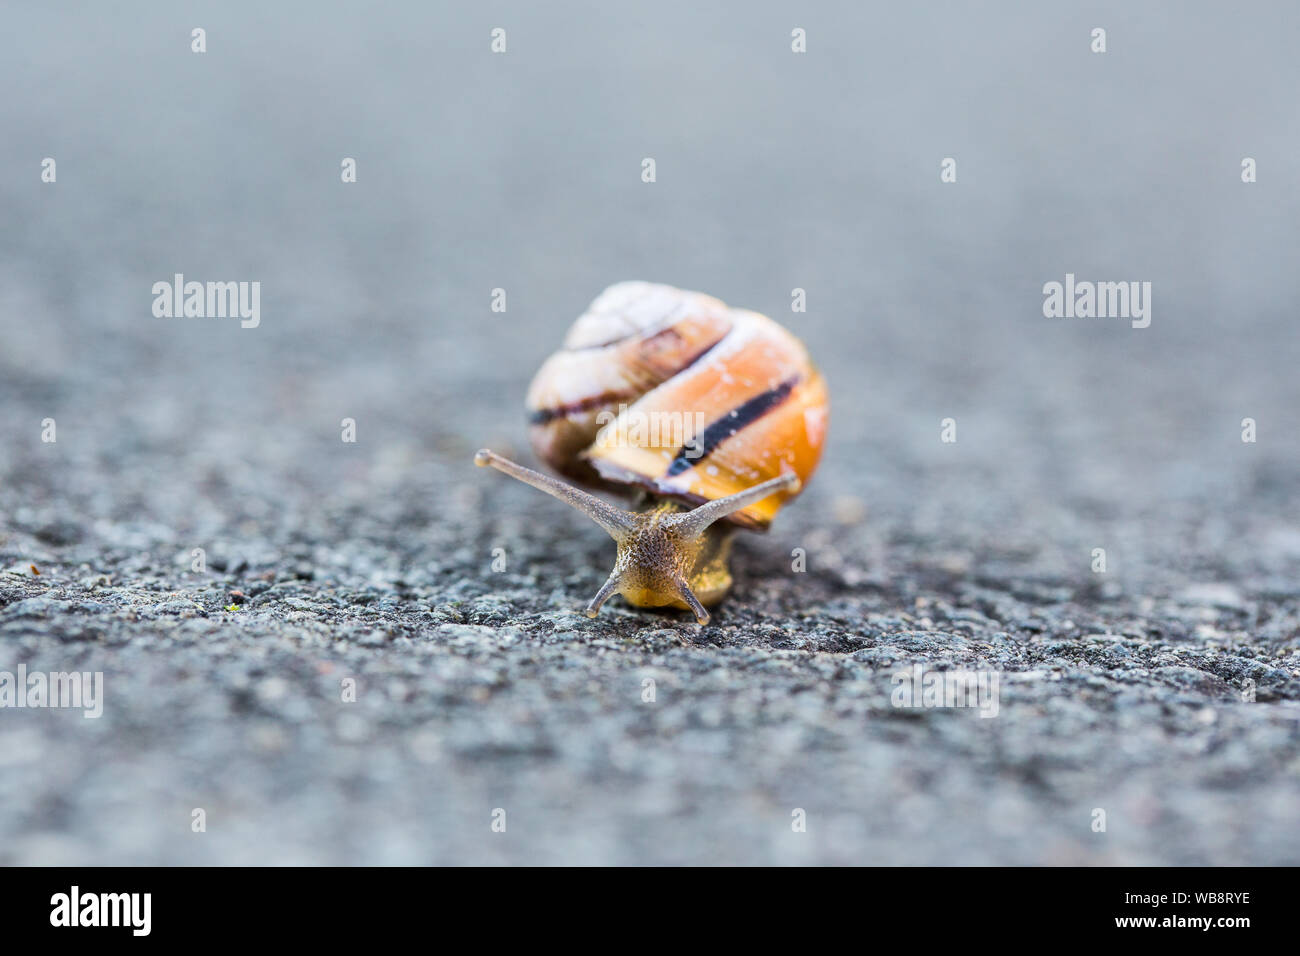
{"x": 713, "y": 417}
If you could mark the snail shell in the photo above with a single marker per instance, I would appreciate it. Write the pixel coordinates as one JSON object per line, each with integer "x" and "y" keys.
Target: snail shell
{"x": 678, "y": 394}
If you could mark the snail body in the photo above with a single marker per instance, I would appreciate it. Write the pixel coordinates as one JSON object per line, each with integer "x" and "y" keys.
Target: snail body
{"x": 711, "y": 417}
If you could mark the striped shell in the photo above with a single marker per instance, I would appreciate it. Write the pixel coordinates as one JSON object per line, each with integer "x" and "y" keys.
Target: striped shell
{"x": 676, "y": 393}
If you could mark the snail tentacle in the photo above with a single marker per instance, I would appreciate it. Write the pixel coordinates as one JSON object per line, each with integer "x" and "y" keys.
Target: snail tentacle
{"x": 687, "y": 595}
{"x": 614, "y": 520}
{"x": 693, "y": 523}
{"x": 606, "y": 591}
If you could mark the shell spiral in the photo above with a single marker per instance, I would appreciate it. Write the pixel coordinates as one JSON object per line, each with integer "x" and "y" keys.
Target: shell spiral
{"x": 676, "y": 393}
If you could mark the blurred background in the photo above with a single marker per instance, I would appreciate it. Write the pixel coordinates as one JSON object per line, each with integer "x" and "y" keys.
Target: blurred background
{"x": 775, "y": 171}
{"x": 522, "y": 171}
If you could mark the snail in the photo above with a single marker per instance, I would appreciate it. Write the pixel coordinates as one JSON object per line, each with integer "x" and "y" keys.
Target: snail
{"x": 712, "y": 417}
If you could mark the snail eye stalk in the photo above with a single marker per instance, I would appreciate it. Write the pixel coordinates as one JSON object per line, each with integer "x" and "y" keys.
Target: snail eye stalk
{"x": 614, "y": 520}
{"x": 693, "y": 523}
